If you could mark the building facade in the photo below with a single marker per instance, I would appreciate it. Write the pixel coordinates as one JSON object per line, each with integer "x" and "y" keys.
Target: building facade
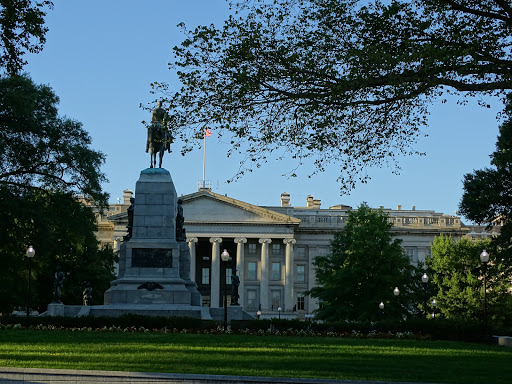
{"x": 272, "y": 248}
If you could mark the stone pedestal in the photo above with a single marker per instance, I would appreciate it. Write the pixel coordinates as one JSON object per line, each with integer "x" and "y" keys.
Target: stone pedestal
{"x": 55, "y": 309}
{"x": 154, "y": 268}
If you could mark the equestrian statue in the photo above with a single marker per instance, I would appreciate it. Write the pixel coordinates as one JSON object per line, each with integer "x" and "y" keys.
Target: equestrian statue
{"x": 159, "y": 138}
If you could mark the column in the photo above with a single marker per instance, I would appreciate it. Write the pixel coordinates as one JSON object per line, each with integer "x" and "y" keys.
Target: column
{"x": 240, "y": 241}
{"x": 215, "y": 272}
{"x": 288, "y": 275}
{"x": 192, "y": 246}
{"x": 264, "y": 274}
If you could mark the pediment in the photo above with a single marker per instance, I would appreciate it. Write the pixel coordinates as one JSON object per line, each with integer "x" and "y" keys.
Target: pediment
{"x": 210, "y": 207}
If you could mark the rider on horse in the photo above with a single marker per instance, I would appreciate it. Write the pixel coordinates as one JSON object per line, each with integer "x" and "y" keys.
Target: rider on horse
{"x": 159, "y": 138}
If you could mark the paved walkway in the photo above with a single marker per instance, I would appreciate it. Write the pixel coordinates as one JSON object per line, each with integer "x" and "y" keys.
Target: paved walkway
{"x": 70, "y": 376}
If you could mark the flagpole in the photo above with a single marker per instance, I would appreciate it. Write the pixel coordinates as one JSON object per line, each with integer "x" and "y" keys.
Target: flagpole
{"x": 204, "y": 157}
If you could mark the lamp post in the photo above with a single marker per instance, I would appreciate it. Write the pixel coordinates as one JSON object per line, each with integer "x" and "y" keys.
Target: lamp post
{"x": 484, "y": 258}
{"x": 30, "y": 254}
{"x": 396, "y": 292}
{"x": 381, "y": 306}
{"x": 225, "y": 257}
{"x": 424, "y": 280}
{"x": 434, "y": 305}
{"x": 258, "y": 314}
{"x": 279, "y": 312}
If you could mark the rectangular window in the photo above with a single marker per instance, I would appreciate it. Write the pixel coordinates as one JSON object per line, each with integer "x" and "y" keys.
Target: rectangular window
{"x": 229, "y": 272}
{"x": 300, "y": 303}
{"x": 301, "y": 274}
{"x": 301, "y": 252}
{"x": 276, "y": 271}
{"x": 276, "y": 249}
{"x": 252, "y": 248}
{"x": 205, "y": 276}
{"x": 251, "y": 271}
{"x": 276, "y": 300}
{"x": 251, "y": 299}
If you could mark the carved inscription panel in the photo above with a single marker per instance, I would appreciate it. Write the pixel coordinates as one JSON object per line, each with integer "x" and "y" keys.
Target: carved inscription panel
{"x": 151, "y": 258}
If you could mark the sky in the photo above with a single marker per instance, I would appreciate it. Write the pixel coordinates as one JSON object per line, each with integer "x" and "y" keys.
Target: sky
{"x": 101, "y": 56}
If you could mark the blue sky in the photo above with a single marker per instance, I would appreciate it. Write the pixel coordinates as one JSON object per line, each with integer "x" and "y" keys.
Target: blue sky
{"x": 101, "y": 56}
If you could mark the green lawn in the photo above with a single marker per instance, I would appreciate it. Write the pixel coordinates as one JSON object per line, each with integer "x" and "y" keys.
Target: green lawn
{"x": 331, "y": 358}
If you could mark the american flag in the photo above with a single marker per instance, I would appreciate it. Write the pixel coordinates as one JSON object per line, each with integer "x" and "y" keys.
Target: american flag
{"x": 207, "y": 132}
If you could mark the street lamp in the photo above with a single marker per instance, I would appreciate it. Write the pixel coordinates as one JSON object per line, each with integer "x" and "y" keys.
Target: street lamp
{"x": 424, "y": 279}
{"x": 484, "y": 258}
{"x": 279, "y": 312}
{"x": 381, "y": 306}
{"x": 396, "y": 292}
{"x": 30, "y": 254}
{"x": 258, "y": 314}
{"x": 225, "y": 257}
{"x": 434, "y": 305}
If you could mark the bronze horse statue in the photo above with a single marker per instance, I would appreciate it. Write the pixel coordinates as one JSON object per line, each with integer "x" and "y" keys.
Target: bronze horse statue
{"x": 159, "y": 139}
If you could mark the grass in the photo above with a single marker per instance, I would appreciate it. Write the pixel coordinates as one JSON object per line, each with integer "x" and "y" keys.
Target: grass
{"x": 329, "y": 358}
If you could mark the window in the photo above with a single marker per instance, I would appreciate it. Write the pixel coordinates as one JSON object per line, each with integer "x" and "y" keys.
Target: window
{"x": 251, "y": 271}
{"x": 276, "y": 271}
{"x": 300, "y": 303}
{"x": 251, "y": 299}
{"x": 229, "y": 272}
{"x": 301, "y": 274}
{"x": 276, "y": 300}
{"x": 252, "y": 248}
{"x": 301, "y": 252}
{"x": 205, "y": 276}
{"x": 276, "y": 249}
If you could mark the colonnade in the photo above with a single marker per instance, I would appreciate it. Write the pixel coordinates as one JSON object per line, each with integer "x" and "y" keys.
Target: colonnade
{"x": 288, "y": 300}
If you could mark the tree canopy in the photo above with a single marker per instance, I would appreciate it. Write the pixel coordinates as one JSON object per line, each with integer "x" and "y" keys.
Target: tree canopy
{"x": 345, "y": 82}
{"x": 487, "y": 196}
{"x": 457, "y": 276}
{"x": 62, "y": 231}
{"x": 365, "y": 265}
{"x": 39, "y": 149}
{"x": 46, "y": 163}
{"x": 22, "y": 30}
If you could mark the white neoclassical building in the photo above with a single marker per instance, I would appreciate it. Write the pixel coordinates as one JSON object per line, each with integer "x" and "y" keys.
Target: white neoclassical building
{"x": 272, "y": 248}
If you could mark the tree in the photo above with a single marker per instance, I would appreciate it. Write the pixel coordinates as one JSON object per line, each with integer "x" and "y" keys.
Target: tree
{"x": 62, "y": 230}
{"x": 487, "y": 196}
{"x": 39, "y": 149}
{"x": 457, "y": 275}
{"x": 45, "y": 163}
{"x": 346, "y": 82}
{"x": 364, "y": 267}
{"x": 22, "y": 30}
